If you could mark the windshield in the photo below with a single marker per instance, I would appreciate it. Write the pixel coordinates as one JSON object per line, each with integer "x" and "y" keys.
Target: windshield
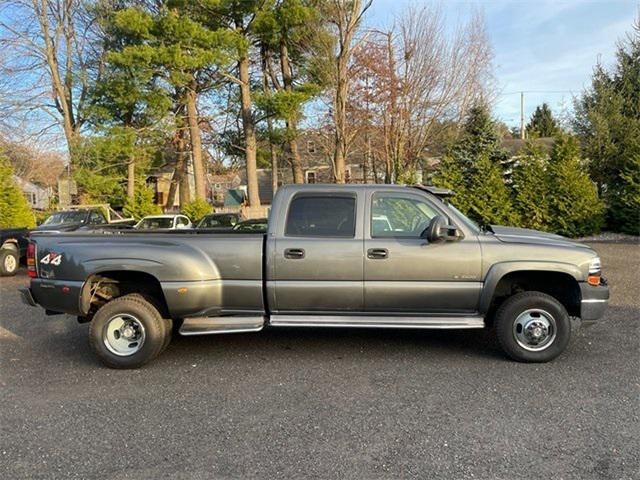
{"x": 150, "y": 223}
{"x": 218, "y": 221}
{"x": 251, "y": 226}
{"x": 464, "y": 219}
{"x": 65, "y": 217}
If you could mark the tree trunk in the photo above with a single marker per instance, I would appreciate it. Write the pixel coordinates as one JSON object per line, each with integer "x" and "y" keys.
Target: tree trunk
{"x": 180, "y": 180}
{"x": 272, "y": 148}
{"x": 274, "y": 159}
{"x": 291, "y": 123}
{"x": 131, "y": 177}
{"x": 340, "y": 152}
{"x": 196, "y": 144}
{"x": 249, "y": 129}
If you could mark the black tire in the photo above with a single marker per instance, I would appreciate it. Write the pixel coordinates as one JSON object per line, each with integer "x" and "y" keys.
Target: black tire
{"x": 9, "y": 262}
{"x": 533, "y": 306}
{"x": 167, "y": 323}
{"x": 146, "y": 314}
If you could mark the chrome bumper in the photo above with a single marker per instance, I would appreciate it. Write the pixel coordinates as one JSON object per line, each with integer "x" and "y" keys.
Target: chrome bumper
{"x": 594, "y": 301}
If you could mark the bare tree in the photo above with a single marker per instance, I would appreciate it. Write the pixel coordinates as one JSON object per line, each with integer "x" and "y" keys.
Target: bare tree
{"x": 46, "y": 59}
{"x": 419, "y": 80}
{"x": 346, "y": 16}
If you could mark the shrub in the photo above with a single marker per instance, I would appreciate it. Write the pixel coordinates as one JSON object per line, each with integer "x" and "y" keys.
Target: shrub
{"x": 197, "y": 209}
{"x": 141, "y": 204}
{"x": 574, "y": 205}
{"x": 15, "y": 211}
{"x": 531, "y": 190}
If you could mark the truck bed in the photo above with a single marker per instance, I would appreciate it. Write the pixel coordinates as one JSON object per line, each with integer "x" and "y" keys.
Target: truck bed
{"x": 202, "y": 272}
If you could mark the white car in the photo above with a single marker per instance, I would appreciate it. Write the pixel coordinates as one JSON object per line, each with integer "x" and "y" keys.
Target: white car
{"x": 164, "y": 222}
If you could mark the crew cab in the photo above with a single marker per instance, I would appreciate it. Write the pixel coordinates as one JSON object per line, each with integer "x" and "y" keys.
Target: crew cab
{"x": 375, "y": 256}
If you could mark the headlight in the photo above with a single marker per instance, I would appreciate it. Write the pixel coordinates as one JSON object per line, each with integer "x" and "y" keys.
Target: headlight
{"x": 595, "y": 269}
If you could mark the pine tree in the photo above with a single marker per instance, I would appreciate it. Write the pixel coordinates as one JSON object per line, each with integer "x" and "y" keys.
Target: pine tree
{"x": 141, "y": 204}
{"x": 542, "y": 123}
{"x": 451, "y": 175}
{"x": 530, "y": 189}
{"x": 575, "y": 207}
{"x": 608, "y": 125}
{"x": 489, "y": 197}
{"x": 15, "y": 212}
{"x": 472, "y": 168}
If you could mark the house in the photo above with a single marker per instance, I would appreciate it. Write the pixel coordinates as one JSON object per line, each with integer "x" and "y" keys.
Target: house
{"x": 219, "y": 185}
{"x": 39, "y": 198}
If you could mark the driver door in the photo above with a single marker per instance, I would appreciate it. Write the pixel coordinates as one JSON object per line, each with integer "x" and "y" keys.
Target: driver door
{"x": 403, "y": 272}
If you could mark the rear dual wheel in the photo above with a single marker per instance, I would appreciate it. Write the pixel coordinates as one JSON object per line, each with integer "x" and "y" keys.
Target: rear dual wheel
{"x": 128, "y": 332}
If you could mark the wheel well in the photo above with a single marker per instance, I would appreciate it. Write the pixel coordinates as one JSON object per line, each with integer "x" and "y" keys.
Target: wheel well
{"x": 11, "y": 244}
{"x": 102, "y": 287}
{"x": 561, "y": 286}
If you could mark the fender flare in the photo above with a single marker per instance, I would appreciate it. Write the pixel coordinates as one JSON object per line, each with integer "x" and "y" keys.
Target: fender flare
{"x": 499, "y": 270}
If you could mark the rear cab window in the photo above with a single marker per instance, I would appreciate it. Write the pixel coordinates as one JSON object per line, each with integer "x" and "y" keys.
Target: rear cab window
{"x": 322, "y": 215}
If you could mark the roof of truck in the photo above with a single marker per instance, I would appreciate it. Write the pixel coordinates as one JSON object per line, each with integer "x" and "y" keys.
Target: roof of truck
{"x": 437, "y": 191}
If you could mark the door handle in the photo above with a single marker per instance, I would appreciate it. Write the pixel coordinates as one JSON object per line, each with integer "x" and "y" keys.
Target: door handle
{"x": 294, "y": 253}
{"x": 377, "y": 253}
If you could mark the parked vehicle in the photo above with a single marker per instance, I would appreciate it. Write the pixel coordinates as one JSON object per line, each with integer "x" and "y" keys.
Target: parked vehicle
{"x": 164, "y": 222}
{"x": 13, "y": 247}
{"x": 84, "y": 217}
{"x": 324, "y": 262}
{"x": 219, "y": 221}
{"x": 253, "y": 225}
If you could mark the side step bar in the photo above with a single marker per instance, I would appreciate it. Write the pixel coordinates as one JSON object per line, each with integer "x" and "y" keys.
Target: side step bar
{"x": 372, "y": 321}
{"x": 209, "y": 325}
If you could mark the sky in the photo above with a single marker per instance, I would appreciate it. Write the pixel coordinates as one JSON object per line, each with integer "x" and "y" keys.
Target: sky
{"x": 545, "y": 48}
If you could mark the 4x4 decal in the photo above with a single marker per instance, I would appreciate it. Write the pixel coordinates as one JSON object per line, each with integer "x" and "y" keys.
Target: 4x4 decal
{"x": 52, "y": 259}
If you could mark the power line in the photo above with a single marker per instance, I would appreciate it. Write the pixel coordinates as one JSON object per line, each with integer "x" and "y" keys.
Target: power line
{"x": 535, "y": 91}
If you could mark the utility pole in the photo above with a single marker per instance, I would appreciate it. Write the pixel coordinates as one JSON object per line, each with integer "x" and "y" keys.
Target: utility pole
{"x": 522, "y": 135}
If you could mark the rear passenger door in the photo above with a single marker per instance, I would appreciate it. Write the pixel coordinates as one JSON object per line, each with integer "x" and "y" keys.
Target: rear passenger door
{"x": 319, "y": 260}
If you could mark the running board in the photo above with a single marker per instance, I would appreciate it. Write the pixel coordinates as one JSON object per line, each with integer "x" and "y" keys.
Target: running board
{"x": 372, "y": 321}
{"x": 210, "y": 325}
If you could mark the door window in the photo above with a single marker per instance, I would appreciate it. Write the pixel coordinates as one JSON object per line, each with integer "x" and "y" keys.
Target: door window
{"x": 321, "y": 216}
{"x": 96, "y": 218}
{"x": 399, "y": 216}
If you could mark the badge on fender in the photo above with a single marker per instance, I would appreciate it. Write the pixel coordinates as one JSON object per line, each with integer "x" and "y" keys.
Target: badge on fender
{"x": 52, "y": 259}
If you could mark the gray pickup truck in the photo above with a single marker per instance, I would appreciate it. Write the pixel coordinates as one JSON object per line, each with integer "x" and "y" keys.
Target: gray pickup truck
{"x": 378, "y": 256}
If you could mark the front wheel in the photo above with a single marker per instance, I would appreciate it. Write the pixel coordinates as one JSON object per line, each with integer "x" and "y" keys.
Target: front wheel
{"x": 127, "y": 332}
{"x": 532, "y": 327}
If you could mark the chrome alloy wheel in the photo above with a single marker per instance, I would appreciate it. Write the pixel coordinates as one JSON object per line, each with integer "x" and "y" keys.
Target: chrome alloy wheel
{"x": 534, "y": 329}
{"x": 10, "y": 264}
{"x": 123, "y": 335}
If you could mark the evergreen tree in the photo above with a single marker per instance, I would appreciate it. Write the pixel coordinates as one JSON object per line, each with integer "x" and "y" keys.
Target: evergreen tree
{"x": 489, "y": 198}
{"x": 15, "y": 212}
{"x": 141, "y": 204}
{"x": 575, "y": 207}
{"x": 531, "y": 189}
{"x": 608, "y": 124}
{"x": 451, "y": 175}
{"x": 542, "y": 123}
{"x": 472, "y": 168}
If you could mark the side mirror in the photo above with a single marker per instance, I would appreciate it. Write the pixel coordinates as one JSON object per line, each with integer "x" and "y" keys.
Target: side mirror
{"x": 439, "y": 230}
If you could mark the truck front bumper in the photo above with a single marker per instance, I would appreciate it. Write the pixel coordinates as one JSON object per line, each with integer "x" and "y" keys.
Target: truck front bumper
{"x": 594, "y": 301}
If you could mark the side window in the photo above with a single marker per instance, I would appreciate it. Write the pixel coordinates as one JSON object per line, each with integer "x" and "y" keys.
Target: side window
{"x": 96, "y": 218}
{"x": 183, "y": 221}
{"x": 399, "y": 216}
{"x": 321, "y": 216}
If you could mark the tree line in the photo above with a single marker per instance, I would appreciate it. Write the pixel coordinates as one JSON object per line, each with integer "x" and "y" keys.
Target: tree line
{"x": 141, "y": 85}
